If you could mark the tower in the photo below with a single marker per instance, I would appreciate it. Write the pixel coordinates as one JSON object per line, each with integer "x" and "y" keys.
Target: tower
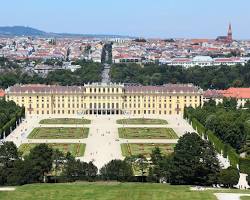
{"x": 230, "y": 34}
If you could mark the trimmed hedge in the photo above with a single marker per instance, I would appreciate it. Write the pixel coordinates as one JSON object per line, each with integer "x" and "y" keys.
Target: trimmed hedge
{"x": 199, "y": 127}
{"x": 244, "y": 164}
{"x": 11, "y": 124}
{"x": 219, "y": 145}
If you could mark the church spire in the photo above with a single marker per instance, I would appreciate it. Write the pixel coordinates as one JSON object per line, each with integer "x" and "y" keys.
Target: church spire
{"x": 230, "y": 33}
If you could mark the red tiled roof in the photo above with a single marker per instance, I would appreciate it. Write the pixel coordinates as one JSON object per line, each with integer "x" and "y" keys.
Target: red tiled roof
{"x": 2, "y": 93}
{"x": 239, "y": 93}
{"x": 226, "y": 59}
{"x": 212, "y": 93}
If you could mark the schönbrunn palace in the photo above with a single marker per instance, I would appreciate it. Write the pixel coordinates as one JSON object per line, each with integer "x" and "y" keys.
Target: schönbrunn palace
{"x": 105, "y": 99}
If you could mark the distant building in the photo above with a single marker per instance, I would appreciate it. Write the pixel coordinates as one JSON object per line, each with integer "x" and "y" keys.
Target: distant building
{"x": 242, "y": 95}
{"x": 205, "y": 61}
{"x": 2, "y": 93}
{"x": 228, "y": 38}
{"x": 69, "y": 66}
{"x": 43, "y": 70}
{"x": 127, "y": 59}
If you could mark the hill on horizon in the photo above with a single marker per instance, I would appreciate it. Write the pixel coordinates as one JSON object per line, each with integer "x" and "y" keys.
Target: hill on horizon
{"x": 29, "y": 31}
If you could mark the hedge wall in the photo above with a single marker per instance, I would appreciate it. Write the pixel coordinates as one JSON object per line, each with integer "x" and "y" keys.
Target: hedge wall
{"x": 220, "y": 147}
{"x": 12, "y": 123}
{"x": 244, "y": 164}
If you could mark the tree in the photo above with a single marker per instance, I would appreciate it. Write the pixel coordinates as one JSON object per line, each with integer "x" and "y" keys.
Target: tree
{"x": 117, "y": 170}
{"x": 247, "y": 105}
{"x": 41, "y": 159}
{"x": 142, "y": 164}
{"x": 8, "y": 157}
{"x": 91, "y": 171}
{"x": 229, "y": 103}
{"x": 229, "y": 177}
{"x": 194, "y": 162}
{"x": 58, "y": 160}
{"x": 77, "y": 170}
{"x": 156, "y": 156}
{"x": 159, "y": 171}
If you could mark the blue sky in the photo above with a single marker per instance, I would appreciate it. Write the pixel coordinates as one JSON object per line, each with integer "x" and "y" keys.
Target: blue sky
{"x": 145, "y": 18}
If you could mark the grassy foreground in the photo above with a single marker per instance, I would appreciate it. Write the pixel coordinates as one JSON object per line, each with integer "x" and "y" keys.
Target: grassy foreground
{"x": 142, "y": 121}
{"x": 59, "y": 133}
{"x": 65, "y": 121}
{"x": 107, "y": 191}
{"x": 76, "y": 150}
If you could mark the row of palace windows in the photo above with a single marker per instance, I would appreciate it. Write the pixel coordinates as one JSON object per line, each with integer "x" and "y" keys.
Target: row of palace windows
{"x": 126, "y": 99}
{"x": 107, "y": 105}
{"x": 134, "y": 112}
{"x": 91, "y": 105}
{"x": 103, "y": 90}
{"x": 160, "y": 97}
{"x": 130, "y": 97}
{"x": 55, "y": 112}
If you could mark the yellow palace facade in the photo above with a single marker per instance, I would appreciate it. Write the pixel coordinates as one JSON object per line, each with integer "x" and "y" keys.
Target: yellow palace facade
{"x": 105, "y": 99}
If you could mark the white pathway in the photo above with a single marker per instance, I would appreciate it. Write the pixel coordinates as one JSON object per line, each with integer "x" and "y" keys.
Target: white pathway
{"x": 102, "y": 144}
{"x": 229, "y": 196}
{"x": 7, "y": 189}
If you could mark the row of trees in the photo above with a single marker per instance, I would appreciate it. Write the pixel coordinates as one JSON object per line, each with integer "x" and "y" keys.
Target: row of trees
{"x": 107, "y": 53}
{"x": 193, "y": 162}
{"x": 89, "y": 72}
{"x": 10, "y": 116}
{"x": 230, "y": 124}
{"x": 214, "y": 77}
{"x": 40, "y": 163}
{"x": 7, "y": 64}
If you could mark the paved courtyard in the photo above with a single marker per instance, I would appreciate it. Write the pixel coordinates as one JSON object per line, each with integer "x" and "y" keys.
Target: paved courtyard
{"x": 103, "y": 142}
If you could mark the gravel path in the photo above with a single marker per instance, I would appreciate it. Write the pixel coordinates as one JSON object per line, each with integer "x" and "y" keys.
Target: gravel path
{"x": 229, "y": 196}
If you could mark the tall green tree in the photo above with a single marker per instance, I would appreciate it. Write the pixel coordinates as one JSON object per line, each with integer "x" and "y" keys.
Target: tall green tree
{"x": 41, "y": 159}
{"x": 229, "y": 177}
{"x": 117, "y": 170}
{"x": 194, "y": 162}
{"x": 8, "y": 157}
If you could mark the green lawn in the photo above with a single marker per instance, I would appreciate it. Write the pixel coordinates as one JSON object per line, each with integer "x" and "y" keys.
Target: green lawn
{"x": 142, "y": 121}
{"x": 108, "y": 191}
{"x": 145, "y": 149}
{"x": 65, "y": 121}
{"x": 245, "y": 198}
{"x": 59, "y": 133}
{"x": 147, "y": 133}
{"x": 77, "y": 150}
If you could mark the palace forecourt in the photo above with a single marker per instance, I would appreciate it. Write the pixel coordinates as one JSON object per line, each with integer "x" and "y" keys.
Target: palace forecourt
{"x": 105, "y": 99}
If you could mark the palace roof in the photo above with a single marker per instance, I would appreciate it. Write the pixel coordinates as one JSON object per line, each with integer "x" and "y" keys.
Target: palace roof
{"x": 39, "y": 88}
{"x": 167, "y": 88}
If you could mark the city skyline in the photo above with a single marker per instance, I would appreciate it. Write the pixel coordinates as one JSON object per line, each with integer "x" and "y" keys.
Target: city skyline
{"x": 132, "y": 18}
